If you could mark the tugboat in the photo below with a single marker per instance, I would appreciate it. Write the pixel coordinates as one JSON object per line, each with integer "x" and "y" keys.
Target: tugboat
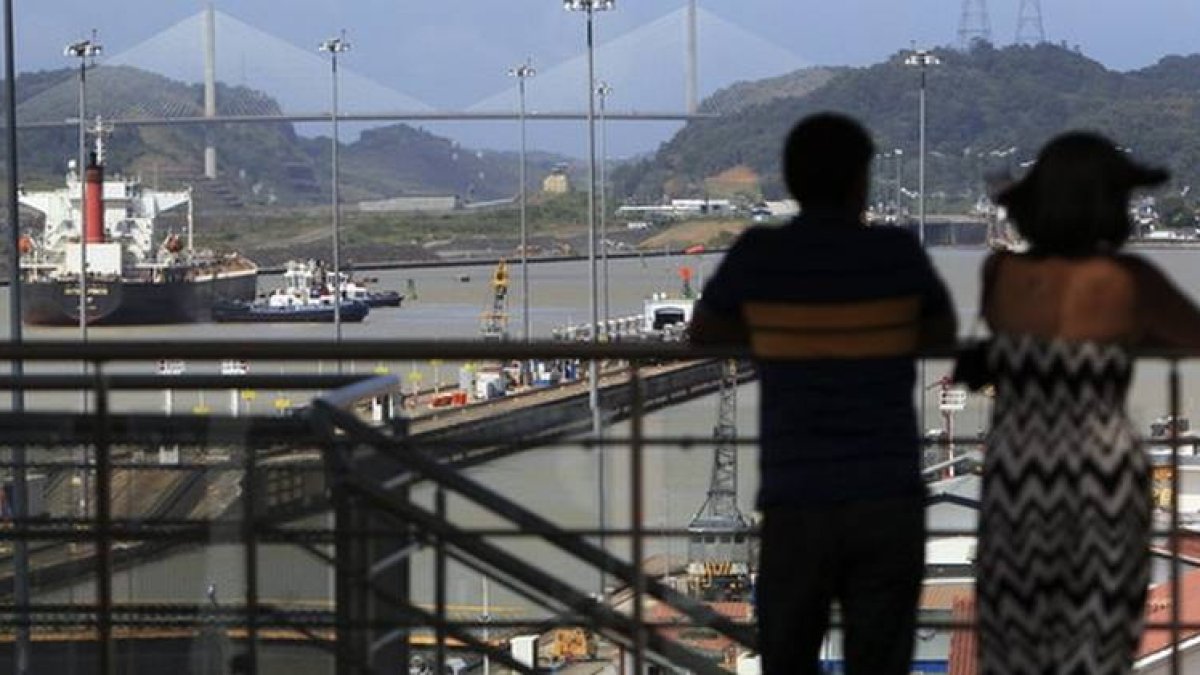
{"x": 302, "y": 299}
{"x": 136, "y": 274}
{"x": 320, "y": 278}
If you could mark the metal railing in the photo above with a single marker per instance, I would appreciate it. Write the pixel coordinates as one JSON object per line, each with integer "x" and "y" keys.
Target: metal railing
{"x": 353, "y": 484}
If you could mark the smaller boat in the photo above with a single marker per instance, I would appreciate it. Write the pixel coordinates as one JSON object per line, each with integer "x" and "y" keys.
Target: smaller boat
{"x": 352, "y": 290}
{"x": 315, "y": 277}
{"x": 352, "y": 311}
{"x": 300, "y": 300}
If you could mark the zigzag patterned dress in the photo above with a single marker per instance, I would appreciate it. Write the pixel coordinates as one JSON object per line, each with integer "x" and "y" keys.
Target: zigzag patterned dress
{"x": 1063, "y": 557}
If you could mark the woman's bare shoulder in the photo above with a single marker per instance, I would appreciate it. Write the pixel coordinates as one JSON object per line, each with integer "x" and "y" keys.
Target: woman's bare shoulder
{"x": 1144, "y": 272}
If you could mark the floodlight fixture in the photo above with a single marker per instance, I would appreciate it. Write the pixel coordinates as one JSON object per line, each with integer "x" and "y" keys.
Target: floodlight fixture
{"x": 523, "y": 71}
{"x": 922, "y": 58}
{"x": 335, "y": 45}
{"x": 83, "y": 49}
{"x": 589, "y": 5}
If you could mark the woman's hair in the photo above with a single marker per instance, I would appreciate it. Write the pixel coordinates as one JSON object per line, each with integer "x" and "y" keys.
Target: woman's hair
{"x": 1075, "y": 199}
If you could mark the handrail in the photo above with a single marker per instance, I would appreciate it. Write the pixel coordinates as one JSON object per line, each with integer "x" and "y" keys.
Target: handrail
{"x": 344, "y": 398}
{"x": 290, "y": 350}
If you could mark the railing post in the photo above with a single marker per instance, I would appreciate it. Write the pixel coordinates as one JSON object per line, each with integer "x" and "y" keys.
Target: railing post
{"x": 1176, "y": 592}
{"x": 637, "y": 514}
{"x": 386, "y": 566}
{"x": 351, "y": 581}
{"x": 103, "y": 525}
{"x": 250, "y": 550}
{"x": 440, "y": 585}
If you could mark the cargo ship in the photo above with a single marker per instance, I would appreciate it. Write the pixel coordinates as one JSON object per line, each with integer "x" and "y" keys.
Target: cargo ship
{"x": 136, "y": 272}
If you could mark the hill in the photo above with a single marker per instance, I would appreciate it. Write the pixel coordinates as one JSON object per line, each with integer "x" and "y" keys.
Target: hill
{"x": 260, "y": 163}
{"x": 981, "y": 104}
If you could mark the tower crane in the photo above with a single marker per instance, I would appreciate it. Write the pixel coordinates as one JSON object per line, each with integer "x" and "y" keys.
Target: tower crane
{"x": 719, "y": 552}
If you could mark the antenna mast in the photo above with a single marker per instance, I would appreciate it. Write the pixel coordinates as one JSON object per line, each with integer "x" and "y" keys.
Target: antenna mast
{"x": 1029, "y": 23}
{"x": 974, "y": 25}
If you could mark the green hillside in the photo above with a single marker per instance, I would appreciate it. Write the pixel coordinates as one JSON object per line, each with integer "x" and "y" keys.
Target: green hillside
{"x": 980, "y": 103}
{"x": 260, "y": 164}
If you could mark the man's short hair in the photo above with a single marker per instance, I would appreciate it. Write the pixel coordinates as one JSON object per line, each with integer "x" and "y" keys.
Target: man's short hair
{"x": 824, "y": 158}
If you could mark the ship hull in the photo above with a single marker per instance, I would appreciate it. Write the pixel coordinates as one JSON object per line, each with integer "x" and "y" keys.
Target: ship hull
{"x": 132, "y": 302}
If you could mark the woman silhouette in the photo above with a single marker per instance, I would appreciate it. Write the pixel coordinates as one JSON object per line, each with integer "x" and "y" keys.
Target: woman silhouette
{"x": 1064, "y": 532}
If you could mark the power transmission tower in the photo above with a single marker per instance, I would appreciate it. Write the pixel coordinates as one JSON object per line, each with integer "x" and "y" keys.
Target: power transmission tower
{"x": 974, "y": 25}
{"x": 1029, "y": 23}
{"x": 719, "y": 546}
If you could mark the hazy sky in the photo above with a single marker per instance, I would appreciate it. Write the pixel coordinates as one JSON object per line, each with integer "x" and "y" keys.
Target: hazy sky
{"x": 452, "y": 54}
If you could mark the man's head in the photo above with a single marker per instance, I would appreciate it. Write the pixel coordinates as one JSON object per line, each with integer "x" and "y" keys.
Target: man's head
{"x": 826, "y": 161}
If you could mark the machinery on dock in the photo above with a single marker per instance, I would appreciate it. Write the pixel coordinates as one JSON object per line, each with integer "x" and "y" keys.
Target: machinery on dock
{"x": 719, "y": 542}
{"x": 494, "y": 322}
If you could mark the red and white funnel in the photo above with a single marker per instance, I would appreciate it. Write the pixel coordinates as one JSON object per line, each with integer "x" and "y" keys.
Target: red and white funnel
{"x": 93, "y": 197}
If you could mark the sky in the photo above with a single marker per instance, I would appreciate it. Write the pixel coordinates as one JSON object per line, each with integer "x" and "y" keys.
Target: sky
{"x": 454, "y": 54}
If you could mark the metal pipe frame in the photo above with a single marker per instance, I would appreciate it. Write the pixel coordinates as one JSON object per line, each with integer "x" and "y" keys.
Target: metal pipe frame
{"x": 339, "y": 428}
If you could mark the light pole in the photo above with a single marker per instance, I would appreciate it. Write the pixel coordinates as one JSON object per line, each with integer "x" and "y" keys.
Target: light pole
{"x": 898, "y": 155}
{"x": 20, "y": 496}
{"x": 86, "y": 51}
{"x": 589, "y": 8}
{"x": 922, "y": 59}
{"x": 522, "y": 73}
{"x": 336, "y": 46}
{"x": 603, "y": 91}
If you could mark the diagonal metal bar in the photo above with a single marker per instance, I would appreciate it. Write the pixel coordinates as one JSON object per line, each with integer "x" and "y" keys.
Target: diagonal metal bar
{"x": 340, "y": 463}
{"x": 599, "y": 614}
{"x": 325, "y": 418}
{"x": 612, "y": 622}
{"x": 421, "y": 463}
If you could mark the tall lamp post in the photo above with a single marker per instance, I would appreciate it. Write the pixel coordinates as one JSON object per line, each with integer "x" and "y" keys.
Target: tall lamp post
{"x": 336, "y": 46}
{"x": 589, "y": 8}
{"x": 20, "y": 592}
{"x": 898, "y": 157}
{"x": 922, "y": 59}
{"x": 523, "y": 72}
{"x": 602, "y": 92}
{"x": 86, "y": 51}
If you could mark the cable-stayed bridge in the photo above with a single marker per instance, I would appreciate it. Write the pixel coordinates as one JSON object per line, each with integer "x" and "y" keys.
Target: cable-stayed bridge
{"x": 296, "y": 80}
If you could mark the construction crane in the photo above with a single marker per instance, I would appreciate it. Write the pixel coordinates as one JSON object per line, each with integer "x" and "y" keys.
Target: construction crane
{"x": 494, "y": 323}
{"x": 719, "y": 552}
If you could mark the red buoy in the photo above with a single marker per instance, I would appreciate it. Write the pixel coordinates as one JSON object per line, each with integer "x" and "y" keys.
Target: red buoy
{"x": 93, "y": 195}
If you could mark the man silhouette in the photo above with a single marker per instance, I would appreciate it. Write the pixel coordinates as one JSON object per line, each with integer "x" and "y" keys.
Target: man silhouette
{"x": 834, "y": 312}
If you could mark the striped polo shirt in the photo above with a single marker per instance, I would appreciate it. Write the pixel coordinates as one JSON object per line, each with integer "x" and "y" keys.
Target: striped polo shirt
{"x": 833, "y": 308}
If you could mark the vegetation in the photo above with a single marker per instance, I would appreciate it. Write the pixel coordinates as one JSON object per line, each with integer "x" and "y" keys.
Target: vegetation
{"x": 275, "y": 235}
{"x": 261, "y": 163}
{"x": 988, "y": 112}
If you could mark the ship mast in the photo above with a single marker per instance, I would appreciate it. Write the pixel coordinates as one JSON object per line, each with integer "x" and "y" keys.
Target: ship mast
{"x": 100, "y": 130}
